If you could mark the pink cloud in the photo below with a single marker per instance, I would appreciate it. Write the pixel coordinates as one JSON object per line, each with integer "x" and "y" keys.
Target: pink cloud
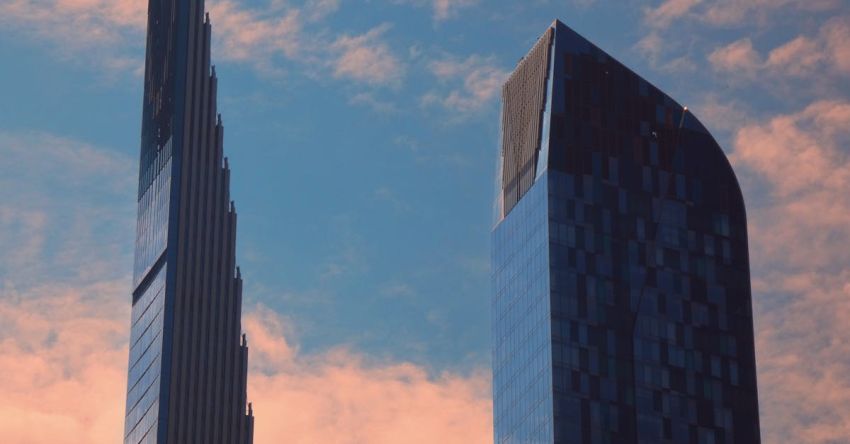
{"x": 76, "y": 24}
{"x": 64, "y": 328}
{"x": 61, "y": 376}
{"x": 803, "y": 159}
{"x": 111, "y": 32}
{"x": 445, "y": 9}
{"x": 797, "y": 57}
{"x": 799, "y": 232}
{"x": 736, "y": 12}
{"x": 341, "y": 396}
{"x": 836, "y": 33}
{"x": 474, "y": 82}
{"x": 253, "y": 36}
{"x": 825, "y": 53}
{"x": 63, "y": 354}
{"x": 738, "y": 56}
{"x": 442, "y": 9}
{"x": 367, "y": 58}
{"x": 668, "y": 11}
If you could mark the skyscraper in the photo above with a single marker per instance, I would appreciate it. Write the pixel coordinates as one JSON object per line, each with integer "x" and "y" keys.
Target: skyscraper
{"x": 621, "y": 288}
{"x": 188, "y": 362}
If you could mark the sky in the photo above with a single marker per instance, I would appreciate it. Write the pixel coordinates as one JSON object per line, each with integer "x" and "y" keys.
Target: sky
{"x": 362, "y": 136}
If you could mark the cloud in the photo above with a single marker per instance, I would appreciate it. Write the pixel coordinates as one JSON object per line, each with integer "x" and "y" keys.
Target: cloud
{"x": 826, "y": 53}
{"x": 369, "y": 100}
{"x": 836, "y": 34}
{"x": 269, "y": 38}
{"x": 738, "y": 56}
{"x": 737, "y": 12}
{"x": 254, "y": 36}
{"x": 49, "y": 217}
{"x": 341, "y": 396}
{"x": 367, "y": 58}
{"x": 472, "y": 83}
{"x": 63, "y": 352}
{"x": 442, "y": 9}
{"x": 668, "y": 11}
{"x": 89, "y": 22}
{"x": 653, "y": 46}
{"x": 722, "y": 115}
{"x": 319, "y": 9}
{"x": 731, "y": 12}
{"x": 803, "y": 160}
{"x": 799, "y": 228}
{"x": 65, "y": 229}
{"x": 63, "y": 334}
{"x": 108, "y": 29}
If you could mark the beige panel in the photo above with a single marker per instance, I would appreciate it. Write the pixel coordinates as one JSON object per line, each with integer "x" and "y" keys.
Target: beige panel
{"x": 523, "y": 102}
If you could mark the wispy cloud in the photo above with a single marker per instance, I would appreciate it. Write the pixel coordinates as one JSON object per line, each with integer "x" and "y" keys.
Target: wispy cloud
{"x": 63, "y": 336}
{"x": 61, "y": 349}
{"x": 370, "y": 100}
{"x": 442, "y": 9}
{"x": 108, "y": 31}
{"x": 468, "y": 84}
{"x": 738, "y": 12}
{"x": 738, "y": 56}
{"x": 63, "y": 352}
{"x": 271, "y": 37}
{"x": 372, "y": 401}
{"x": 826, "y": 52}
{"x": 367, "y": 58}
{"x": 799, "y": 229}
{"x": 255, "y": 36}
{"x": 668, "y": 11}
{"x": 730, "y": 12}
{"x": 52, "y": 191}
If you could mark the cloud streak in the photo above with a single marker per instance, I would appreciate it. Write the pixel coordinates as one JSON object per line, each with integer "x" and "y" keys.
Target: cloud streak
{"x": 799, "y": 230}
{"x": 366, "y": 58}
{"x": 63, "y": 335}
{"x": 725, "y": 13}
{"x": 468, "y": 84}
{"x": 271, "y": 38}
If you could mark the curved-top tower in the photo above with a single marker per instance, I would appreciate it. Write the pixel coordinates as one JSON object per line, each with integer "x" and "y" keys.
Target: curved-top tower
{"x": 621, "y": 287}
{"x": 188, "y": 360}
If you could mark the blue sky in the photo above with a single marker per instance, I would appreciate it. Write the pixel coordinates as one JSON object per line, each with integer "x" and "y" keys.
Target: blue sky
{"x": 362, "y": 137}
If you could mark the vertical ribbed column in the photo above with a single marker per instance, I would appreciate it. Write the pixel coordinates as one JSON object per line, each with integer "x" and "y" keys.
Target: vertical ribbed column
{"x": 188, "y": 368}
{"x": 209, "y": 362}
{"x": 523, "y": 102}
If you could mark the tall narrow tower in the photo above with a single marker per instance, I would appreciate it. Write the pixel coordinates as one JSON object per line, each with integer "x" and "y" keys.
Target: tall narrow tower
{"x": 188, "y": 358}
{"x": 621, "y": 284}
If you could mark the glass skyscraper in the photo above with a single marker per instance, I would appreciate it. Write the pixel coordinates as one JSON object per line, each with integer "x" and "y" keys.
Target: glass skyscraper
{"x": 621, "y": 289}
{"x": 188, "y": 359}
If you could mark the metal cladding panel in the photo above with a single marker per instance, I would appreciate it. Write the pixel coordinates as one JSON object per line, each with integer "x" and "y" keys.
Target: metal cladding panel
{"x": 188, "y": 367}
{"x": 523, "y": 102}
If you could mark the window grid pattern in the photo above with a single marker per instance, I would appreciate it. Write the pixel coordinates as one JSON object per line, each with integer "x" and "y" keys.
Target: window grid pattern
{"x": 142, "y": 407}
{"x": 646, "y": 274}
{"x": 652, "y": 333}
{"x": 152, "y": 222}
{"x": 521, "y": 352}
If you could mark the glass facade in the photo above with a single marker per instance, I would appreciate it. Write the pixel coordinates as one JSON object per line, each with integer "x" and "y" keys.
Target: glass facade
{"x": 143, "y": 381}
{"x": 646, "y": 270}
{"x": 522, "y": 364}
{"x": 187, "y": 367}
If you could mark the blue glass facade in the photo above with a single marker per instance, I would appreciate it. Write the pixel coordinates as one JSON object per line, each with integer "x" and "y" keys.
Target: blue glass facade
{"x": 143, "y": 381}
{"x": 646, "y": 265}
{"x": 187, "y": 367}
{"x": 522, "y": 364}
